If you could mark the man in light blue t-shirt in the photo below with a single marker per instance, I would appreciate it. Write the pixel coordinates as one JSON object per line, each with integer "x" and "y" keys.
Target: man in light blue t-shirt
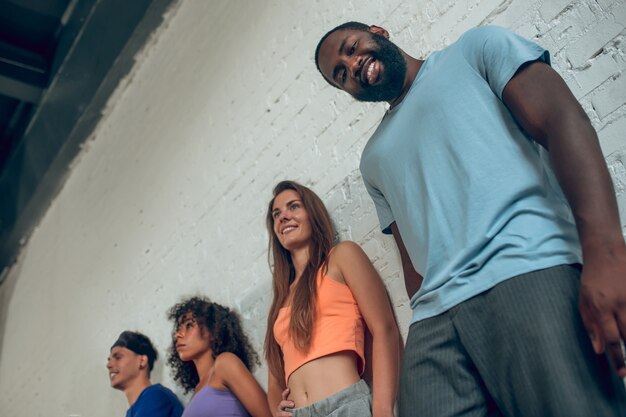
{"x": 492, "y": 228}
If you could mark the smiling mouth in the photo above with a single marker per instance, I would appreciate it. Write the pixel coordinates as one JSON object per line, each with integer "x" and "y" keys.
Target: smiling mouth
{"x": 287, "y": 229}
{"x": 112, "y": 375}
{"x": 369, "y": 71}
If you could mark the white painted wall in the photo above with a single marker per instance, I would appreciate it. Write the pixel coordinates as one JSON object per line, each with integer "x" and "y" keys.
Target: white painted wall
{"x": 168, "y": 198}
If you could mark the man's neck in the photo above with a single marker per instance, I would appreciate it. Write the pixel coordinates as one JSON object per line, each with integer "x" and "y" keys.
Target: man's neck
{"x": 133, "y": 392}
{"x": 413, "y": 66}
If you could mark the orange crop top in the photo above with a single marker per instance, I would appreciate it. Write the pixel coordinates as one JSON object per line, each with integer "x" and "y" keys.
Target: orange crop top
{"x": 338, "y": 326}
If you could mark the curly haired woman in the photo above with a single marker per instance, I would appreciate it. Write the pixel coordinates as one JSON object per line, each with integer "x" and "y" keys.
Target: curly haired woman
{"x": 211, "y": 355}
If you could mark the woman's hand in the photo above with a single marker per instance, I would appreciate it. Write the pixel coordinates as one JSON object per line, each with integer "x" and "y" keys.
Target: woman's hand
{"x": 285, "y": 406}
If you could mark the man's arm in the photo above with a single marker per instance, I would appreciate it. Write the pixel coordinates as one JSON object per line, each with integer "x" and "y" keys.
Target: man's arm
{"x": 546, "y": 109}
{"x": 412, "y": 280}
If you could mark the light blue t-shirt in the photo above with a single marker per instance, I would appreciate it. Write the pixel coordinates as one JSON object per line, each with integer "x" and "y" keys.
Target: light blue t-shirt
{"x": 473, "y": 197}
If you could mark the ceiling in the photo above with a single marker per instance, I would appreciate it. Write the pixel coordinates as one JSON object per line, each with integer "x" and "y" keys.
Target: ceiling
{"x": 60, "y": 60}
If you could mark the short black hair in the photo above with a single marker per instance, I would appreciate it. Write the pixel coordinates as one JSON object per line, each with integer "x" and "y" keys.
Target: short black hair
{"x": 138, "y": 343}
{"x": 344, "y": 26}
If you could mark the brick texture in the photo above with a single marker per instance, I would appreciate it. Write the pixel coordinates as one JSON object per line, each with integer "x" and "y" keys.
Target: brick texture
{"x": 169, "y": 196}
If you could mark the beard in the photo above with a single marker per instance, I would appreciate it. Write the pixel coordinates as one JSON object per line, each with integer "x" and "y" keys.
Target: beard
{"x": 390, "y": 86}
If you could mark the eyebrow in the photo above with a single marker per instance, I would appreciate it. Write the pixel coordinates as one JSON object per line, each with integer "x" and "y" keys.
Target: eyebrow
{"x": 341, "y": 46}
{"x": 184, "y": 320}
{"x": 343, "y": 43}
{"x": 288, "y": 203}
{"x": 335, "y": 72}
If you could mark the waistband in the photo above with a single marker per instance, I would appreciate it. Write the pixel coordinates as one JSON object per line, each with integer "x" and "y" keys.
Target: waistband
{"x": 328, "y": 405}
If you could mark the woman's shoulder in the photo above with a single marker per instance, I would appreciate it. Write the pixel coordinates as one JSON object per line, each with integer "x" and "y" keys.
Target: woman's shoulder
{"x": 230, "y": 369}
{"x": 227, "y": 360}
{"x": 227, "y": 366}
{"x": 343, "y": 257}
{"x": 345, "y": 249}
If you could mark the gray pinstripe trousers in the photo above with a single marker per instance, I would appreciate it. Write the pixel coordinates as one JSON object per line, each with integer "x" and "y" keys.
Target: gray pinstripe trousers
{"x": 519, "y": 349}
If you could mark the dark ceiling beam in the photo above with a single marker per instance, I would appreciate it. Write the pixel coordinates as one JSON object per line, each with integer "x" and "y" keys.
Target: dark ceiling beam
{"x": 22, "y": 65}
{"x": 20, "y": 90}
{"x": 53, "y": 8}
{"x": 109, "y": 33}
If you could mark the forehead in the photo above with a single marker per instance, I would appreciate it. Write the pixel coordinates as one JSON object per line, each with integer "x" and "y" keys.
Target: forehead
{"x": 121, "y": 350}
{"x": 329, "y": 49}
{"x": 284, "y": 197}
{"x": 187, "y": 316}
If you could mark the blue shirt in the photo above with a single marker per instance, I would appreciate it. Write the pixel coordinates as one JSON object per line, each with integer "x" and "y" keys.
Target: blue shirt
{"x": 156, "y": 401}
{"x": 473, "y": 197}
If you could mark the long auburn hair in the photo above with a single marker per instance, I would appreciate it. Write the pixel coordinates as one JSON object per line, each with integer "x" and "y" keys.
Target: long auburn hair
{"x": 283, "y": 274}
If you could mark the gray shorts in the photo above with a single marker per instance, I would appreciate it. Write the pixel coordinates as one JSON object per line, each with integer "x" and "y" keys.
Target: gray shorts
{"x": 354, "y": 401}
{"x": 519, "y": 349}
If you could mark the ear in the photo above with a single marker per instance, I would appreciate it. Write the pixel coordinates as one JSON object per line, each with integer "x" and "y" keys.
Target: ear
{"x": 379, "y": 31}
{"x": 143, "y": 361}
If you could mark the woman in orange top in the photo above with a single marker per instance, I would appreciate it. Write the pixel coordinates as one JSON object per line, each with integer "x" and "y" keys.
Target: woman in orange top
{"x": 321, "y": 296}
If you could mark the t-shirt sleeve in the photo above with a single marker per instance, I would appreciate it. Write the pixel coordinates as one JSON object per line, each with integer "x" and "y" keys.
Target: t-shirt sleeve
{"x": 154, "y": 403}
{"x": 499, "y": 53}
{"x": 385, "y": 215}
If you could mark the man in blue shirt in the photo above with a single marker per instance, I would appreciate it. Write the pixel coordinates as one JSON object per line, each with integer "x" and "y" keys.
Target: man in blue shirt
{"x": 490, "y": 177}
{"x": 130, "y": 363}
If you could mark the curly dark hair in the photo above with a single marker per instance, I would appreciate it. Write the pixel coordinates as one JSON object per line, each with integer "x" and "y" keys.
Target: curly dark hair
{"x": 226, "y": 332}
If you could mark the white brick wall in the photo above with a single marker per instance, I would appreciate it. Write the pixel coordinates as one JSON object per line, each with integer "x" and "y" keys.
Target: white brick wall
{"x": 168, "y": 198}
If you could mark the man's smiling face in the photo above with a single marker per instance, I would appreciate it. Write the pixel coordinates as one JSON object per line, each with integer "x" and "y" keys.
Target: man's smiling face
{"x": 124, "y": 367}
{"x": 364, "y": 64}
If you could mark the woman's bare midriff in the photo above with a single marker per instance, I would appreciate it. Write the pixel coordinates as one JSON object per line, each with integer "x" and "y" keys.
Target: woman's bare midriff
{"x": 323, "y": 377}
